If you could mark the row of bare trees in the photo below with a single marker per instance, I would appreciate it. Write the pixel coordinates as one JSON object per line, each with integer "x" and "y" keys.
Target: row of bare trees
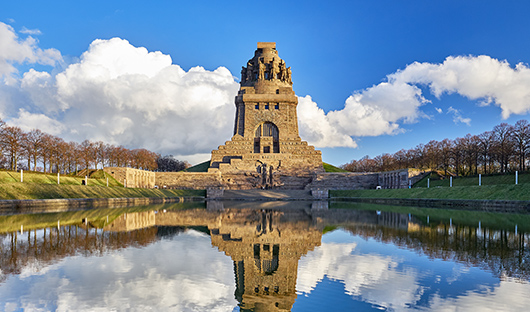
{"x": 38, "y": 151}
{"x": 506, "y": 148}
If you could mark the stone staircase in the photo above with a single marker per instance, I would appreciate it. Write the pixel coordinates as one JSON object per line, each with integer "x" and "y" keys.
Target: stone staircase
{"x": 267, "y": 195}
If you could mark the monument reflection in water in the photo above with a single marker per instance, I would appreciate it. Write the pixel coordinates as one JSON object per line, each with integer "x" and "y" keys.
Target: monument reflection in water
{"x": 267, "y": 243}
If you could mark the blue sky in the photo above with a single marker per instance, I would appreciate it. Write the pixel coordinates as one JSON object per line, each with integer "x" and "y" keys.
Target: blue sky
{"x": 336, "y": 49}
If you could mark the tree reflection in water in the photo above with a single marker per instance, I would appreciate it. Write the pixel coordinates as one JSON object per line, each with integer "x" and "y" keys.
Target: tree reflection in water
{"x": 266, "y": 243}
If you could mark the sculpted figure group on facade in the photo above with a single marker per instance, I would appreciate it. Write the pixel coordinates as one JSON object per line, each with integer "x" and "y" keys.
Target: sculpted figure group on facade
{"x": 262, "y": 71}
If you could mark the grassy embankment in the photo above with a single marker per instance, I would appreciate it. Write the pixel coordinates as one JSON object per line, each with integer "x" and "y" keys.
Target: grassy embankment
{"x": 494, "y": 187}
{"x": 44, "y": 186}
{"x": 331, "y": 168}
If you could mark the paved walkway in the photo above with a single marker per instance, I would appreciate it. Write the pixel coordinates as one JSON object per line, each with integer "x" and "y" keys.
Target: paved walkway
{"x": 267, "y": 195}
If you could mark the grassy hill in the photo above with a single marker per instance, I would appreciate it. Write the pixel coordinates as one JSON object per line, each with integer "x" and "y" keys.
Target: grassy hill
{"x": 202, "y": 167}
{"x": 331, "y": 168}
{"x": 95, "y": 177}
{"x": 437, "y": 180}
{"x": 37, "y": 185}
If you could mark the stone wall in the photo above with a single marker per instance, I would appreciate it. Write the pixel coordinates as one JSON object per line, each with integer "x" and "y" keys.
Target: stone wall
{"x": 397, "y": 179}
{"x": 344, "y": 181}
{"x": 131, "y": 177}
{"x": 188, "y": 180}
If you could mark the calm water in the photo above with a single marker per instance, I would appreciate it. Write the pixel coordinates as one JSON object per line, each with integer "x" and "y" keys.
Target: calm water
{"x": 244, "y": 257}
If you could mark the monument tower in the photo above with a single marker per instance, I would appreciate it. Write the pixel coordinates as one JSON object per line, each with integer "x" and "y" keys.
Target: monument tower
{"x": 266, "y": 149}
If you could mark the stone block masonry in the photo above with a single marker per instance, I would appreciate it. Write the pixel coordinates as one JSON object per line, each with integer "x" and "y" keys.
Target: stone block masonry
{"x": 131, "y": 177}
{"x": 266, "y": 145}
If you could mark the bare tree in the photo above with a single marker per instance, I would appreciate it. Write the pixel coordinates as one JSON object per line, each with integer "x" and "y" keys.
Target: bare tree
{"x": 486, "y": 143}
{"x": 503, "y": 144}
{"x": 12, "y": 139}
{"x": 521, "y": 136}
{"x": 33, "y": 146}
{"x": 87, "y": 153}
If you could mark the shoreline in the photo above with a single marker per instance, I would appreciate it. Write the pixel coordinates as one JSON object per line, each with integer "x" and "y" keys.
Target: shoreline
{"x": 489, "y": 205}
{"x": 20, "y": 206}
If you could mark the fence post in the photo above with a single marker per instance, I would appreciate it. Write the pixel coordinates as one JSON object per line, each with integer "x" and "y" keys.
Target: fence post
{"x": 86, "y": 180}
{"x": 451, "y": 181}
{"x": 428, "y": 182}
{"x": 58, "y": 181}
{"x": 479, "y": 179}
{"x": 516, "y": 177}
{"x": 21, "y": 175}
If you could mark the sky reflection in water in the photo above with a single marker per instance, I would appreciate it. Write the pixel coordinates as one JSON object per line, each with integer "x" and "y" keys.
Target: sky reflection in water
{"x": 182, "y": 271}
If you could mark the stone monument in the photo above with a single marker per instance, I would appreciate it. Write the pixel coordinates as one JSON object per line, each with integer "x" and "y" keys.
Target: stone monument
{"x": 266, "y": 150}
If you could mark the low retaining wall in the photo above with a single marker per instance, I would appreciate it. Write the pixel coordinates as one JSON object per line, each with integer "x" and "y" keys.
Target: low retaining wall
{"x": 17, "y": 206}
{"x": 511, "y": 206}
{"x": 188, "y": 180}
{"x": 344, "y": 181}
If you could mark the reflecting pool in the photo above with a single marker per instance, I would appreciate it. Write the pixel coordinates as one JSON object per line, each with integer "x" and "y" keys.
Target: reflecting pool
{"x": 271, "y": 256}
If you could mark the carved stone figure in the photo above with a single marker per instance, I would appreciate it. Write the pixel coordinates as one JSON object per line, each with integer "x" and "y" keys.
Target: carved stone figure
{"x": 288, "y": 76}
{"x": 274, "y": 72}
{"x": 250, "y": 71}
{"x": 243, "y": 74}
{"x": 283, "y": 73}
{"x": 261, "y": 70}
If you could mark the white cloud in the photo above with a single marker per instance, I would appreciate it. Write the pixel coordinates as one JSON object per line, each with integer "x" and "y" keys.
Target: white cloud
{"x": 315, "y": 126}
{"x": 457, "y": 116}
{"x": 126, "y": 95}
{"x": 15, "y": 50}
{"x": 475, "y": 77}
{"x": 28, "y": 121}
{"x": 26, "y": 31}
{"x": 439, "y": 110}
{"x": 384, "y": 108}
{"x": 123, "y": 94}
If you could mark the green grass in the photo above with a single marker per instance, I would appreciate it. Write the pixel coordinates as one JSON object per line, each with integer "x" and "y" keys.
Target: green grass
{"x": 331, "y": 168}
{"x": 98, "y": 177}
{"x": 494, "y": 179}
{"x": 491, "y": 192}
{"x": 49, "y": 191}
{"x": 202, "y": 167}
{"x": 38, "y": 185}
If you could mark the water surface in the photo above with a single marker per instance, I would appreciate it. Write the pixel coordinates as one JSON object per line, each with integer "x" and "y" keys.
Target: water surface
{"x": 264, "y": 257}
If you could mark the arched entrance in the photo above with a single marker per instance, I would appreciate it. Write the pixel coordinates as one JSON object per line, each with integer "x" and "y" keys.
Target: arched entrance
{"x": 266, "y": 138}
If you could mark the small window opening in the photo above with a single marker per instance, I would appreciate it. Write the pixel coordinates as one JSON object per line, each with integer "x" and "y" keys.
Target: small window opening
{"x": 257, "y": 106}
{"x": 266, "y": 149}
{"x": 277, "y": 106}
{"x": 266, "y": 106}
